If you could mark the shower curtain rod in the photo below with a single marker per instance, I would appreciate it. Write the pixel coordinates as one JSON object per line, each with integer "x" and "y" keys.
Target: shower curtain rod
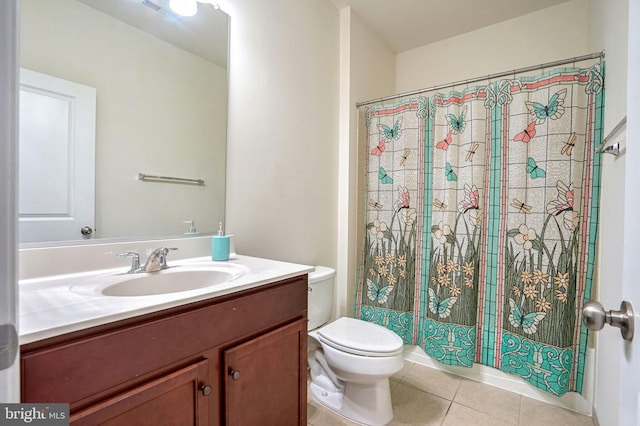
{"x": 594, "y": 55}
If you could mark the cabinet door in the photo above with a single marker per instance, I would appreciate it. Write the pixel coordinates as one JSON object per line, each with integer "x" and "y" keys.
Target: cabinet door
{"x": 175, "y": 399}
{"x": 266, "y": 379}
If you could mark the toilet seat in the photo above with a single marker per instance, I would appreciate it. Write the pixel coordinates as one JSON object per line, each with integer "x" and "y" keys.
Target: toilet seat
{"x": 360, "y": 338}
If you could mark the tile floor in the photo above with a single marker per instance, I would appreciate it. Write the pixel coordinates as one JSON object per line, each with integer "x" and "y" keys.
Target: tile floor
{"x": 425, "y": 396}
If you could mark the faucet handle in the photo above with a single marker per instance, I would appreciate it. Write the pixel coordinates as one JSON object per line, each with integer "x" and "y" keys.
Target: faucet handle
{"x": 163, "y": 257}
{"x": 135, "y": 261}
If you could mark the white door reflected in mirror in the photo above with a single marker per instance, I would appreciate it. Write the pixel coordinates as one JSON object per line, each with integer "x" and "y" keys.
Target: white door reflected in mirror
{"x": 57, "y": 158}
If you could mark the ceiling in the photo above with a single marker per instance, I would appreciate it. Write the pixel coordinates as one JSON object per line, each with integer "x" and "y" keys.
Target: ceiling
{"x": 407, "y": 24}
{"x": 402, "y": 24}
{"x": 204, "y": 34}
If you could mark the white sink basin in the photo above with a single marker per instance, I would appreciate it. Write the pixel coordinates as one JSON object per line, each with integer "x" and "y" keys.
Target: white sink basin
{"x": 163, "y": 283}
{"x": 173, "y": 280}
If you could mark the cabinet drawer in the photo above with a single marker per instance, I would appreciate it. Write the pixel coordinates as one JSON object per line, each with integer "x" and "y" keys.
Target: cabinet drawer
{"x": 82, "y": 370}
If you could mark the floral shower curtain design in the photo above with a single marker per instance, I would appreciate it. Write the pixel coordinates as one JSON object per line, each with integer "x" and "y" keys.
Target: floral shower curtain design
{"x": 482, "y": 209}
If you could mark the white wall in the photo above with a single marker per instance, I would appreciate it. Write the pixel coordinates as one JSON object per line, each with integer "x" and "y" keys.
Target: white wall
{"x": 152, "y": 116}
{"x": 550, "y": 34}
{"x": 367, "y": 70}
{"x": 608, "y": 27}
{"x": 283, "y": 129}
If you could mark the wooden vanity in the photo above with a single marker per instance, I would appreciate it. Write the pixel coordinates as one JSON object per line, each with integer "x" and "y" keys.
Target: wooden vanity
{"x": 236, "y": 359}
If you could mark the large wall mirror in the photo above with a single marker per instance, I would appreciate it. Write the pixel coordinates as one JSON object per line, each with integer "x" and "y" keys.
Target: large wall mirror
{"x": 160, "y": 84}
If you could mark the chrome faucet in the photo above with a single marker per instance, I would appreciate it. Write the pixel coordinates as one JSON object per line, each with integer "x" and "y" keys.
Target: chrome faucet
{"x": 156, "y": 261}
{"x": 158, "y": 256}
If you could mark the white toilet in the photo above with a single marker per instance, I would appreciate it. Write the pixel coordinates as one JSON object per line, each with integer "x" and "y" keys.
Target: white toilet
{"x": 350, "y": 360}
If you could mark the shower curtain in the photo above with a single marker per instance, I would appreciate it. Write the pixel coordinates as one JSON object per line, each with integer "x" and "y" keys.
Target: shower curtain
{"x": 481, "y": 219}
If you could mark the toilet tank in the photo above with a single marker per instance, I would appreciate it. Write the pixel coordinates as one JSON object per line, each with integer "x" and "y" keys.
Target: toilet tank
{"x": 320, "y": 296}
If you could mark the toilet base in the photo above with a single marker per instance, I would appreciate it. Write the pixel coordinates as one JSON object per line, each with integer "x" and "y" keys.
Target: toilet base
{"x": 329, "y": 399}
{"x": 369, "y": 404}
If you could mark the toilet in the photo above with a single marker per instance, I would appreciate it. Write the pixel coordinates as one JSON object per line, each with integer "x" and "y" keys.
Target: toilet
{"x": 350, "y": 360}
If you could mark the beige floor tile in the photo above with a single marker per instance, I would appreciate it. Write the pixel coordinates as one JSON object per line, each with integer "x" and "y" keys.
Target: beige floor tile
{"x": 421, "y": 396}
{"x": 536, "y": 413}
{"x": 459, "y": 415}
{"x": 393, "y": 382}
{"x": 319, "y": 415}
{"x": 396, "y": 378}
{"x": 414, "y": 407}
{"x": 433, "y": 381}
{"x": 490, "y": 400}
{"x": 405, "y": 369}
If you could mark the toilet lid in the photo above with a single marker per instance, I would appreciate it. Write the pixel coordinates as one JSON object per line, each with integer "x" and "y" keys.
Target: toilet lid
{"x": 360, "y": 337}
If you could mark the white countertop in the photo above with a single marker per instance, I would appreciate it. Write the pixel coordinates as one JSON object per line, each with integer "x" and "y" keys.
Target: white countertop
{"x": 50, "y": 307}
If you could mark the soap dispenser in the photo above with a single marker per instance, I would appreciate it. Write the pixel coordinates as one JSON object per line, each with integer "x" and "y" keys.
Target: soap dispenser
{"x": 192, "y": 228}
{"x": 220, "y": 245}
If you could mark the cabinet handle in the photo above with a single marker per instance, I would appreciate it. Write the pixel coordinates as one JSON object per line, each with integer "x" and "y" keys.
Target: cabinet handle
{"x": 235, "y": 374}
{"x": 206, "y": 390}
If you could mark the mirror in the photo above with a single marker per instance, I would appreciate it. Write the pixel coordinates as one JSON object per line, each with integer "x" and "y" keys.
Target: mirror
{"x": 161, "y": 107}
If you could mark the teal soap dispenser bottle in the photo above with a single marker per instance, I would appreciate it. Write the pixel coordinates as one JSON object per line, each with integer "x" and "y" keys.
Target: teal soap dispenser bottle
{"x": 220, "y": 245}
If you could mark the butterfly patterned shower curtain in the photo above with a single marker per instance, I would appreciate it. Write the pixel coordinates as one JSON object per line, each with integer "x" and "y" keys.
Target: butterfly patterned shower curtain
{"x": 481, "y": 218}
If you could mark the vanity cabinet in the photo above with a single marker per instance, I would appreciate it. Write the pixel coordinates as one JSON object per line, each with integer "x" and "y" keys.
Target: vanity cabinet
{"x": 262, "y": 378}
{"x": 238, "y": 359}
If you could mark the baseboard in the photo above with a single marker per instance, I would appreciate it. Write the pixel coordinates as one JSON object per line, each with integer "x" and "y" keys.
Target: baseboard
{"x": 491, "y": 376}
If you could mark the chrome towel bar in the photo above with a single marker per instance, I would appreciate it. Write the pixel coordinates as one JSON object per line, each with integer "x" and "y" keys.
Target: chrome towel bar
{"x": 613, "y": 149}
{"x": 153, "y": 178}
